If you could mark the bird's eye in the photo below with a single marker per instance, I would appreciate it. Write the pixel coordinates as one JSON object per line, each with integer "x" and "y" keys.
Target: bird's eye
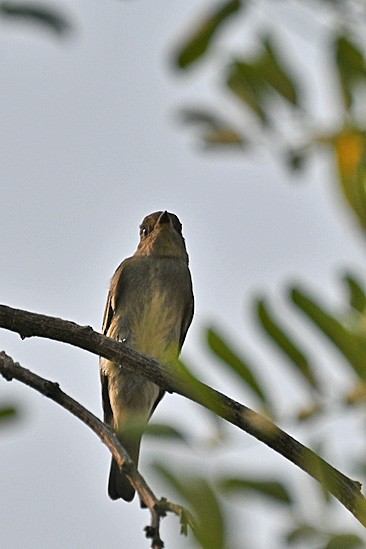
{"x": 143, "y": 231}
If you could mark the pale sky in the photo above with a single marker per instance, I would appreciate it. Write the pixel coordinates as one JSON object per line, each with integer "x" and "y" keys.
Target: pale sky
{"x": 90, "y": 145}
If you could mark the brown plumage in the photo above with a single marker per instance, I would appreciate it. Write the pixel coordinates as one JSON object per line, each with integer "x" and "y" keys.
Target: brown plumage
{"x": 150, "y": 307}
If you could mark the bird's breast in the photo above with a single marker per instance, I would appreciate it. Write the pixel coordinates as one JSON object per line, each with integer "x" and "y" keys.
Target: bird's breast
{"x": 155, "y": 327}
{"x": 151, "y": 307}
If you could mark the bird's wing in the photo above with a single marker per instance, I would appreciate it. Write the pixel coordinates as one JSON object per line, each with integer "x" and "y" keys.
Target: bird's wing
{"x": 111, "y": 299}
{"x": 108, "y": 314}
{"x": 187, "y": 319}
{"x": 107, "y": 409}
{"x": 107, "y": 319}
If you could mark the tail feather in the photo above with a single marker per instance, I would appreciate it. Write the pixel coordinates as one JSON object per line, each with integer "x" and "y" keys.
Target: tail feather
{"x": 118, "y": 485}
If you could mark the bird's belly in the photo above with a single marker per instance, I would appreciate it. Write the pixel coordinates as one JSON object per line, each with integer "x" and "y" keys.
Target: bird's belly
{"x": 155, "y": 327}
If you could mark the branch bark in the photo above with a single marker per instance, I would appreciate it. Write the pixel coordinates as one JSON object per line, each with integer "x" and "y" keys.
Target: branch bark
{"x": 158, "y": 508}
{"x": 178, "y": 380}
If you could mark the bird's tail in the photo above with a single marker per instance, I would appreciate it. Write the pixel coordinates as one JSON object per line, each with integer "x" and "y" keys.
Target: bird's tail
{"x": 119, "y": 486}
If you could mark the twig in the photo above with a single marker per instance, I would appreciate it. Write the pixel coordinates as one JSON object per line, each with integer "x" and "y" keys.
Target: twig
{"x": 27, "y": 324}
{"x": 158, "y": 508}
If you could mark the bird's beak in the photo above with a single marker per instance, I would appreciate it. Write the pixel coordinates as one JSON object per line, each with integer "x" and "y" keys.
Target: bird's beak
{"x": 164, "y": 218}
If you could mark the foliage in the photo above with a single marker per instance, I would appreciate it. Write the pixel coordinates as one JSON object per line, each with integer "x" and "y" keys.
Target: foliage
{"x": 261, "y": 84}
{"x": 7, "y": 413}
{"x": 49, "y": 18}
{"x": 344, "y": 329}
{"x": 258, "y": 83}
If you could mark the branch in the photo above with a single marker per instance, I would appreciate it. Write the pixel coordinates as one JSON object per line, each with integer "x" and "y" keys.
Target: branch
{"x": 27, "y": 324}
{"x": 158, "y": 508}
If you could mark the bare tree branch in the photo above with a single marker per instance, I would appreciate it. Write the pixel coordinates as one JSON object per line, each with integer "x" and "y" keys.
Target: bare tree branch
{"x": 177, "y": 380}
{"x": 158, "y": 508}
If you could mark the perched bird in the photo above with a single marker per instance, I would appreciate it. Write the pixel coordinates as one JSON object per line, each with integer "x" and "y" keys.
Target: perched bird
{"x": 150, "y": 308}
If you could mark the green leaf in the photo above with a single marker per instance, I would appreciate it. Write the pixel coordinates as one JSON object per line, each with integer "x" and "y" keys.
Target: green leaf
{"x": 344, "y": 541}
{"x": 274, "y": 73}
{"x": 161, "y": 430}
{"x": 185, "y": 376}
{"x": 7, "y": 412}
{"x": 201, "y": 38}
{"x": 351, "y": 67}
{"x": 243, "y": 80}
{"x": 285, "y": 342}
{"x": 223, "y": 350}
{"x": 352, "y": 347}
{"x": 272, "y": 489}
{"x": 326, "y": 481}
{"x": 36, "y": 13}
{"x": 217, "y": 132}
{"x": 356, "y": 293}
{"x": 198, "y": 494}
{"x": 254, "y": 82}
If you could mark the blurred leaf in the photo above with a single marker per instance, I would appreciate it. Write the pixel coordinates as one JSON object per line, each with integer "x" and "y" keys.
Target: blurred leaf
{"x": 273, "y": 72}
{"x": 285, "y": 342}
{"x": 7, "y": 412}
{"x": 138, "y": 427}
{"x": 351, "y": 67}
{"x": 236, "y": 363}
{"x": 198, "y": 43}
{"x": 356, "y": 395}
{"x": 271, "y": 489}
{"x": 222, "y": 137}
{"x": 36, "y": 13}
{"x": 161, "y": 430}
{"x": 197, "y": 493}
{"x": 216, "y": 132}
{"x": 350, "y": 345}
{"x": 243, "y": 81}
{"x": 350, "y": 152}
{"x": 309, "y": 413}
{"x": 295, "y": 159}
{"x": 302, "y": 532}
{"x": 185, "y": 376}
{"x": 200, "y": 116}
{"x": 357, "y": 296}
{"x": 254, "y": 82}
{"x": 326, "y": 480}
{"x": 344, "y": 541}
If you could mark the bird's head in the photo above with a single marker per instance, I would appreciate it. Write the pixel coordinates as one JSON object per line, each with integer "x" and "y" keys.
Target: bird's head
{"x": 161, "y": 235}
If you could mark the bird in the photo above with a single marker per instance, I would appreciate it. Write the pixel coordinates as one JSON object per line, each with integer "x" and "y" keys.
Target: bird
{"x": 149, "y": 307}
